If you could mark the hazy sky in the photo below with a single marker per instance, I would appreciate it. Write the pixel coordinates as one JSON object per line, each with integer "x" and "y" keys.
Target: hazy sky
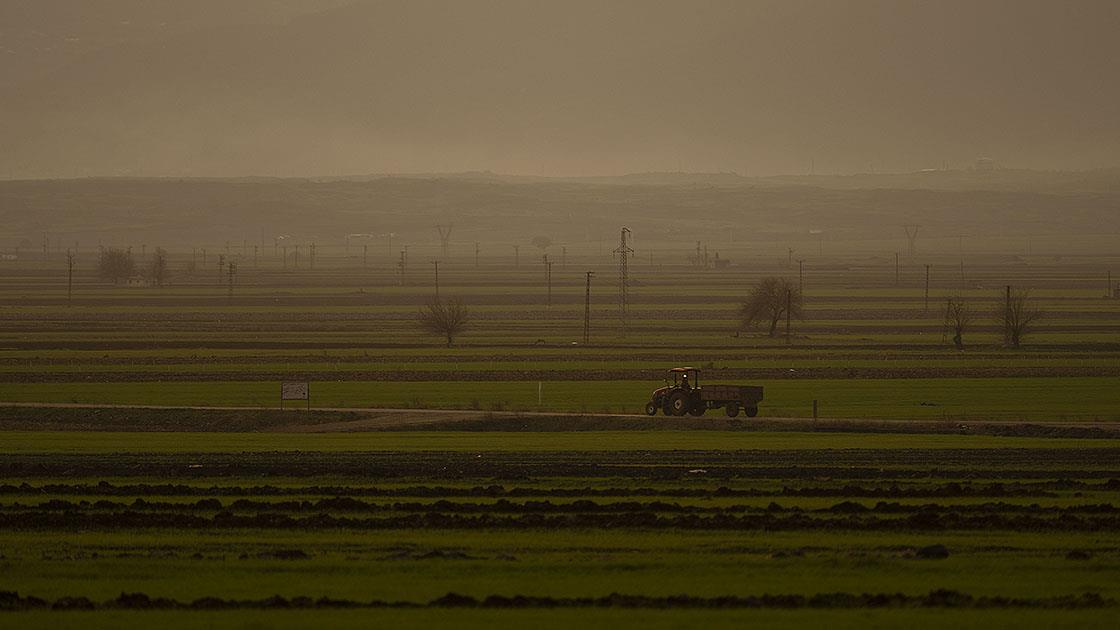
{"x": 573, "y": 87}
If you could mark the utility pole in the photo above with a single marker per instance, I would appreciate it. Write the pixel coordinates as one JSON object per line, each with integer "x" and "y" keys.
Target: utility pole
{"x": 476, "y": 254}
{"x": 69, "y": 277}
{"x": 927, "y": 288}
{"x": 1006, "y": 315}
{"x": 365, "y": 254}
{"x": 311, "y": 256}
{"x": 516, "y": 255}
{"x": 789, "y": 262}
{"x": 548, "y": 277}
{"x": 801, "y": 276}
{"x": 587, "y": 310}
{"x": 401, "y": 267}
{"x": 563, "y": 257}
{"x": 221, "y": 267}
{"x": 204, "y": 256}
{"x": 232, "y": 272}
{"x": 896, "y": 280}
{"x": 256, "y": 256}
{"x": 789, "y": 303}
{"x": 436, "y": 264}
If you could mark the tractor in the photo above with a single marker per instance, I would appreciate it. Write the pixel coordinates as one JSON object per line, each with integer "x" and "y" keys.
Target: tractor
{"x": 683, "y": 394}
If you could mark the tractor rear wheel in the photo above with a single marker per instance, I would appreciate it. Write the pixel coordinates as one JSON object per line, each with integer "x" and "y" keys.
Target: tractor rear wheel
{"x": 678, "y": 403}
{"x": 651, "y": 408}
{"x": 752, "y": 412}
{"x": 732, "y": 410}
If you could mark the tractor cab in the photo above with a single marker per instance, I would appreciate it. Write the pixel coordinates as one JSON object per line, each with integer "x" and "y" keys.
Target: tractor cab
{"x": 683, "y": 377}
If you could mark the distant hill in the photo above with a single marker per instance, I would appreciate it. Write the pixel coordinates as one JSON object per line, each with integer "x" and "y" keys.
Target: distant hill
{"x": 677, "y": 209}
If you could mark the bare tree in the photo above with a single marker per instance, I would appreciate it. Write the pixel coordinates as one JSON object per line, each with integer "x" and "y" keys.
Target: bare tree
{"x": 158, "y": 269}
{"x": 958, "y": 318}
{"x": 115, "y": 264}
{"x": 542, "y": 242}
{"x": 768, "y": 303}
{"x": 1016, "y": 316}
{"x": 444, "y": 319}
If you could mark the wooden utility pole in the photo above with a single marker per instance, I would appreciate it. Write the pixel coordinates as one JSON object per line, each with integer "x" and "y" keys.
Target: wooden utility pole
{"x": 927, "y": 288}
{"x": 69, "y": 277}
{"x": 789, "y": 303}
{"x": 1007, "y": 315}
{"x": 401, "y": 267}
{"x": 548, "y": 277}
{"x": 587, "y": 310}
{"x": 365, "y": 254}
{"x": 221, "y": 267}
{"x": 232, "y": 272}
{"x": 801, "y": 276}
{"x": 516, "y": 255}
{"x": 476, "y": 254}
{"x": 896, "y": 276}
{"x": 436, "y": 264}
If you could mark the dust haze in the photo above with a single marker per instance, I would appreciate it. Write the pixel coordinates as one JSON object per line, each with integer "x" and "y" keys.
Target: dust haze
{"x": 575, "y": 88}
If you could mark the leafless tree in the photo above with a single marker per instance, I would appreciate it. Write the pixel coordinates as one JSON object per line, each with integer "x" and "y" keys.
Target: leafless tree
{"x": 446, "y": 319}
{"x": 958, "y": 318}
{"x": 1016, "y": 315}
{"x": 542, "y": 242}
{"x": 767, "y": 304}
{"x": 115, "y": 264}
{"x": 158, "y": 269}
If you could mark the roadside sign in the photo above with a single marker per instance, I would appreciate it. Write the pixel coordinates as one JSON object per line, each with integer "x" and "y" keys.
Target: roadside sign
{"x": 292, "y": 390}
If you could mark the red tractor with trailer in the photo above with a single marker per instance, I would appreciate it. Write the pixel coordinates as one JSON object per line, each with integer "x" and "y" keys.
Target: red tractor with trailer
{"x": 683, "y": 394}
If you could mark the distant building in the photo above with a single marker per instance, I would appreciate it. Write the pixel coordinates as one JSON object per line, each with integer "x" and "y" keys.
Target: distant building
{"x": 985, "y": 164}
{"x": 138, "y": 281}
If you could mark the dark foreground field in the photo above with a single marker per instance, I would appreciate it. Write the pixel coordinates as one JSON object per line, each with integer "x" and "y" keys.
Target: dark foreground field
{"x": 479, "y": 528}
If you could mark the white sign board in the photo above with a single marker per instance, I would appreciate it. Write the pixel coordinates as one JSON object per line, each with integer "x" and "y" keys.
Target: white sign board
{"x": 290, "y": 390}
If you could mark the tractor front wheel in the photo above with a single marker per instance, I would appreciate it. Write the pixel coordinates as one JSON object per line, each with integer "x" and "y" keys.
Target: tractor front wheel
{"x": 678, "y": 403}
{"x": 732, "y": 410}
{"x": 651, "y": 408}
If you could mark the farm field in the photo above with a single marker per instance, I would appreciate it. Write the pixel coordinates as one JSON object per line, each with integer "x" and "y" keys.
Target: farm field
{"x": 679, "y": 529}
{"x": 868, "y": 345}
{"x": 512, "y": 479}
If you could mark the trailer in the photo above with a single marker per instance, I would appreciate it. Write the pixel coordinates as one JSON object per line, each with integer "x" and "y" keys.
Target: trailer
{"x": 683, "y": 394}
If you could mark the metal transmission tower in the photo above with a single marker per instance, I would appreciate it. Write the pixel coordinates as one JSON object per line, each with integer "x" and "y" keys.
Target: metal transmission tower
{"x": 912, "y": 239}
{"x": 444, "y": 238}
{"x": 624, "y": 251}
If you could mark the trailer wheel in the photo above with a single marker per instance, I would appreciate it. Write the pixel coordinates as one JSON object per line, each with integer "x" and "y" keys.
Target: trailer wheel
{"x": 732, "y": 410}
{"x": 752, "y": 412}
{"x": 651, "y": 408}
{"x": 678, "y": 403}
